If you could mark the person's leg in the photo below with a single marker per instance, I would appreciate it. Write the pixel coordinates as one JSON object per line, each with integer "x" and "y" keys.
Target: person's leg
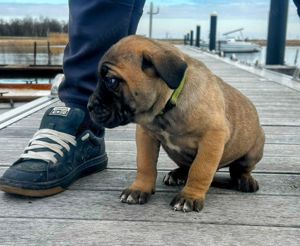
{"x": 297, "y": 3}
{"x": 94, "y": 27}
{"x": 62, "y": 150}
{"x": 136, "y": 15}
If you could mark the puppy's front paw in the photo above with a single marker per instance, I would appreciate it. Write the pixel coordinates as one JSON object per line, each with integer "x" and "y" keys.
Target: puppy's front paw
{"x": 182, "y": 203}
{"x": 131, "y": 196}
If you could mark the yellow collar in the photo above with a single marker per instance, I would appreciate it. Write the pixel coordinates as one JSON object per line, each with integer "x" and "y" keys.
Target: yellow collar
{"x": 175, "y": 95}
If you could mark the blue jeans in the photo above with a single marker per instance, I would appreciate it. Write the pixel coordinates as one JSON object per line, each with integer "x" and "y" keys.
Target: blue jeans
{"x": 297, "y": 3}
{"x": 94, "y": 26}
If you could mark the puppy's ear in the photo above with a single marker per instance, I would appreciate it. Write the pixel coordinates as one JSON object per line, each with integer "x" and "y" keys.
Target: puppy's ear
{"x": 168, "y": 65}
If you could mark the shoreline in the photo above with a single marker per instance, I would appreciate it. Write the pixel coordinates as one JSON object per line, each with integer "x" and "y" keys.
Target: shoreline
{"x": 62, "y": 39}
{"x": 262, "y": 42}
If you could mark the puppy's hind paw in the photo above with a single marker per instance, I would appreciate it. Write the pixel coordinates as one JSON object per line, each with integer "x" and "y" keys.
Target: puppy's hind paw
{"x": 177, "y": 176}
{"x": 134, "y": 196}
{"x": 247, "y": 184}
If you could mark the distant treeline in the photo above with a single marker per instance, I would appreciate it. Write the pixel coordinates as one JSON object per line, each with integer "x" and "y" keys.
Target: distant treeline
{"x": 32, "y": 27}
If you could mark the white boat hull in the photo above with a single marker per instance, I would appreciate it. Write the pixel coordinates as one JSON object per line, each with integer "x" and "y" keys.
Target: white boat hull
{"x": 235, "y": 47}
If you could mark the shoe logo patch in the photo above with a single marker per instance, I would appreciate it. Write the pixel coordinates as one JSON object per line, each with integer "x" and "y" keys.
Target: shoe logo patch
{"x": 60, "y": 111}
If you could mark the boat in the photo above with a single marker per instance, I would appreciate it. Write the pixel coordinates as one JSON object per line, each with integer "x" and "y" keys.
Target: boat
{"x": 237, "y": 46}
{"x": 232, "y": 45}
{"x": 11, "y": 93}
{"x": 26, "y": 92}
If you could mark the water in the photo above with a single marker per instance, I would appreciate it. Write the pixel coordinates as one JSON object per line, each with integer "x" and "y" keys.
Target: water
{"x": 27, "y": 58}
{"x": 42, "y": 59}
{"x": 290, "y": 53}
{"x": 26, "y": 81}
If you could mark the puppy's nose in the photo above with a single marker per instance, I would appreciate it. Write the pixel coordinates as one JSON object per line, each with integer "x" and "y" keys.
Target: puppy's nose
{"x": 90, "y": 107}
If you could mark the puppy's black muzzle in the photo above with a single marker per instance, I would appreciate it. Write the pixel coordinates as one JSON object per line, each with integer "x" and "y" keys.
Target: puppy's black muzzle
{"x": 109, "y": 115}
{"x": 99, "y": 113}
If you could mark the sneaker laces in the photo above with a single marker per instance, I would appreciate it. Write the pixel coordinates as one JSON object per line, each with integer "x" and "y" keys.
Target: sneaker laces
{"x": 61, "y": 140}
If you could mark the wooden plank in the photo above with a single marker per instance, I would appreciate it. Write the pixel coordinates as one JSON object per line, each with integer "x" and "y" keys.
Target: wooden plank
{"x": 269, "y": 120}
{"x": 283, "y": 139}
{"x": 100, "y": 232}
{"x": 280, "y": 121}
{"x": 27, "y": 132}
{"x": 276, "y": 162}
{"x": 234, "y": 209}
{"x": 30, "y": 71}
{"x": 119, "y": 179}
{"x": 279, "y": 164}
{"x": 282, "y": 130}
{"x": 116, "y": 179}
{"x": 13, "y": 134}
{"x": 279, "y": 100}
{"x": 267, "y": 98}
{"x": 288, "y": 155}
{"x": 266, "y": 111}
{"x": 129, "y": 146}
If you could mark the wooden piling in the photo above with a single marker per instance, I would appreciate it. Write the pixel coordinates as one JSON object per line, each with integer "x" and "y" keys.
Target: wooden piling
{"x": 34, "y": 53}
{"x": 277, "y": 32}
{"x": 192, "y": 38}
{"x": 49, "y": 53}
{"x": 198, "y": 30}
{"x": 213, "y": 32}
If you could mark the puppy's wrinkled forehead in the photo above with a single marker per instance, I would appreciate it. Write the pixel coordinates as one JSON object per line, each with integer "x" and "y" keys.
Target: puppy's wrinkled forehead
{"x": 115, "y": 56}
{"x": 129, "y": 49}
{"x": 136, "y": 53}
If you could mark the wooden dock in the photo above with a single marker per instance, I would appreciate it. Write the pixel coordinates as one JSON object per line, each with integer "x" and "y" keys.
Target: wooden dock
{"x": 29, "y": 71}
{"x": 89, "y": 213}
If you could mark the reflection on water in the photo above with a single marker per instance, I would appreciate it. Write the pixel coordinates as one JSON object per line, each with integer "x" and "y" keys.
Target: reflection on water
{"x": 26, "y": 81}
{"x": 27, "y": 58}
{"x": 42, "y": 58}
{"x": 24, "y": 54}
{"x": 290, "y": 53}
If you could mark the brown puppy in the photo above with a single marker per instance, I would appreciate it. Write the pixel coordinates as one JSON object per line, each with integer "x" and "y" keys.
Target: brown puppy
{"x": 211, "y": 126}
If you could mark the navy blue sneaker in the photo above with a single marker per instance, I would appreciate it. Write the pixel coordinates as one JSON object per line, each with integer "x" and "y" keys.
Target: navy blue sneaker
{"x": 56, "y": 156}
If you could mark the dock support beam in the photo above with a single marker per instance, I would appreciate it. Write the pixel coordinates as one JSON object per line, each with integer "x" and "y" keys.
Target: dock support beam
{"x": 277, "y": 32}
{"x": 192, "y": 38}
{"x": 34, "y": 53}
{"x": 213, "y": 32}
{"x": 198, "y": 30}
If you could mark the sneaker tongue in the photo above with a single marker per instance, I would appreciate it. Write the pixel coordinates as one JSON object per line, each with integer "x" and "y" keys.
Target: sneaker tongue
{"x": 63, "y": 119}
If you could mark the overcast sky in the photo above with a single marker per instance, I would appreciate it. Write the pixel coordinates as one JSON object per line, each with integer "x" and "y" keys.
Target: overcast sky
{"x": 176, "y": 17}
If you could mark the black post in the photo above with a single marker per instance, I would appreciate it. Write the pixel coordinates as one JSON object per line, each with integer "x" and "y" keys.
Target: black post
{"x": 277, "y": 32}
{"x": 49, "y": 53}
{"x": 219, "y": 46}
{"x": 198, "y": 30}
{"x": 34, "y": 53}
{"x": 213, "y": 32}
{"x": 187, "y": 38}
{"x": 192, "y": 38}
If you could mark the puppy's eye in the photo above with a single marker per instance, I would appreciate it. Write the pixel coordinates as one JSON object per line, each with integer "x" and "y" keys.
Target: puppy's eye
{"x": 112, "y": 83}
